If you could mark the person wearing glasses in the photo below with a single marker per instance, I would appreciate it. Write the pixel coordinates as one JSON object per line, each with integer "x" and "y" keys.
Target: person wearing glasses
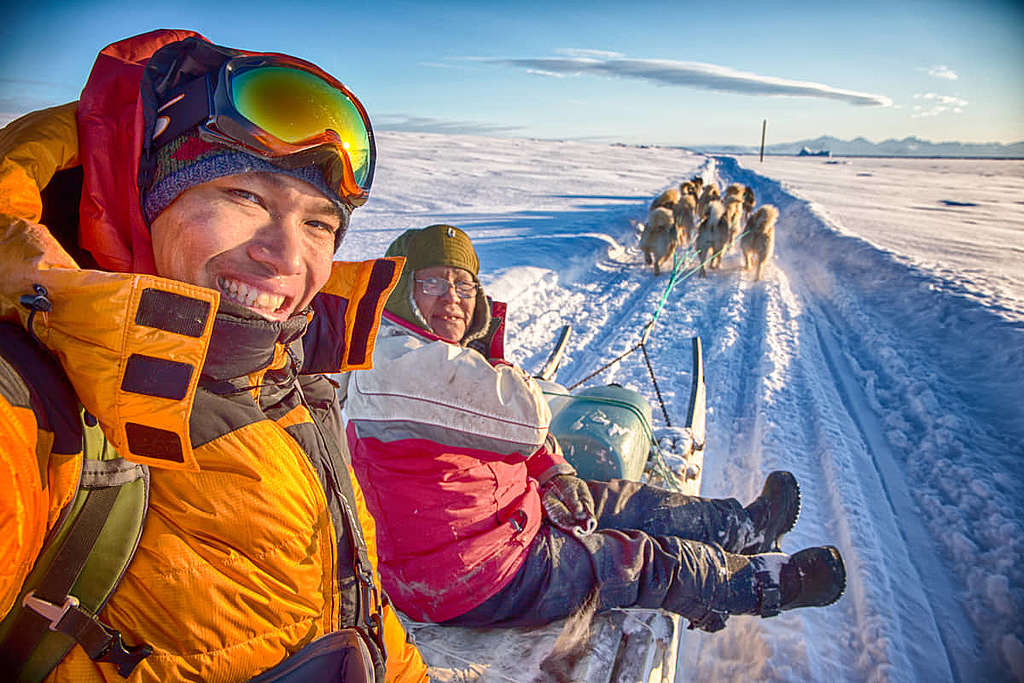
{"x": 480, "y": 519}
{"x": 171, "y": 308}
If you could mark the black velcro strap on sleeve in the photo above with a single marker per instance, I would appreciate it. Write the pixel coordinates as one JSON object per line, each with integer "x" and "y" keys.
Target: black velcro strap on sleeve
{"x": 152, "y": 442}
{"x": 156, "y": 377}
{"x": 172, "y": 312}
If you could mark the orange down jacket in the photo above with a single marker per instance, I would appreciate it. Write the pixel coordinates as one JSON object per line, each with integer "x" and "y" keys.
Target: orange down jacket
{"x": 242, "y": 559}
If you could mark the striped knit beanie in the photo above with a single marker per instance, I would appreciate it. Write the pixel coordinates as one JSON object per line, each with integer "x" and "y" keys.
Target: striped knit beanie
{"x": 189, "y": 160}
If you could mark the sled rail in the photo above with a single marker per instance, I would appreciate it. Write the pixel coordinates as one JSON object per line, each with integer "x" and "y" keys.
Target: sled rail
{"x": 695, "y": 414}
{"x": 547, "y": 372}
{"x": 620, "y": 645}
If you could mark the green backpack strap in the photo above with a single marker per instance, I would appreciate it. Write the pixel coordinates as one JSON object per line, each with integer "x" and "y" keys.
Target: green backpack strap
{"x": 79, "y": 567}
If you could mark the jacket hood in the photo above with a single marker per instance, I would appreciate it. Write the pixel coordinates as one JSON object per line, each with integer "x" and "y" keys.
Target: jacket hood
{"x": 117, "y": 115}
{"x": 133, "y": 344}
{"x": 112, "y": 126}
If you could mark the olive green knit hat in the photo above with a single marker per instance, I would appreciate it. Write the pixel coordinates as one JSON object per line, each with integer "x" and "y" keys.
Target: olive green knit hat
{"x": 436, "y": 245}
{"x": 442, "y": 245}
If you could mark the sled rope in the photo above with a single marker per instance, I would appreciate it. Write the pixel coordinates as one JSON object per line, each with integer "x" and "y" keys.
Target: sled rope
{"x": 677, "y": 276}
{"x": 647, "y": 359}
{"x": 658, "y": 463}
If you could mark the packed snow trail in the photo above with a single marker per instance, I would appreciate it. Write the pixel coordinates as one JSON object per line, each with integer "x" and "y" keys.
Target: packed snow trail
{"x": 881, "y": 384}
{"x": 770, "y": 410}
{"x": 785, "y": 392}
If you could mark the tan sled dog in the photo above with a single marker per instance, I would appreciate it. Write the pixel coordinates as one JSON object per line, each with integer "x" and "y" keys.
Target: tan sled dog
{"x": 709, "y": 194}
{"x": 659, "y": 240}
{"x": 748, "y": 202}
{"x": 669, "y": 198}
{"x": 734, "y": 190}
{"x": 712, "y": 237}
{"x": 685, "y": 216}
{"x": 733, "y": 217}
{"x": 758, "y": 243}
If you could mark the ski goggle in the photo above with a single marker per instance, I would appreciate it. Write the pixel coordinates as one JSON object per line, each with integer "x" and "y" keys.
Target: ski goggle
{"x": 283, "y": 109}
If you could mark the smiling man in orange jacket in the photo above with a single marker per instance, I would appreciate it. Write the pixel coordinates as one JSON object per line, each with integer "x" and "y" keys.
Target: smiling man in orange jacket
{"x": 166, "y": 273}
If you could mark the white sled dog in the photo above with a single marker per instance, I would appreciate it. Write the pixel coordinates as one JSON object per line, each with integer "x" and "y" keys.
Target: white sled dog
{"x": 758, "y": 243}
{"x": 712, "y": 237}
{"x": 659, "y": 239}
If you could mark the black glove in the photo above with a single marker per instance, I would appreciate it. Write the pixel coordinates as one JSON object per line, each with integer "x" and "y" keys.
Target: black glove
{"x": 568, "y": 504}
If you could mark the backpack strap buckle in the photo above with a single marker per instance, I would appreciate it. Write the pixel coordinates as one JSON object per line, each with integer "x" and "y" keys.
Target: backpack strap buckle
{"x": 48, "y": 610}
{"x": 100, "y": 642}
{"x": 115, "y": 652}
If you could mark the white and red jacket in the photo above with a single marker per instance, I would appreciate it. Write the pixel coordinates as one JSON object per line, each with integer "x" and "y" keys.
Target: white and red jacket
{"x": 448, "y": 448}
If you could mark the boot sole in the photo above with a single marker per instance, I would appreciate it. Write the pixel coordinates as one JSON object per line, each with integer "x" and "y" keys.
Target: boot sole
{"x": 774, "y": 546}
{"x": 795, "y": 516}
{"x": 837, "y": 562}
{"x": 838, "y": 567}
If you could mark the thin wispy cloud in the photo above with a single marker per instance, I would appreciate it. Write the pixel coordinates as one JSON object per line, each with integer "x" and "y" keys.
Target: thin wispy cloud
{"x": 549, "y": 74}
{"x": 424, "y": 124}
{"x": 686, "y": 74}
{"x": 596, "y": 54}
{"x": 942, "y": 71}
{"x": 934, "y": 105}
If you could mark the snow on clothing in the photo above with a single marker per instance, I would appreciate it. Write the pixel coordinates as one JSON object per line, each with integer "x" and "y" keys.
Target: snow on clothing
{"x": 445, "y": 437}
{"x": 653, "y": 548}
{"x": 455, "y": 444}
{"x": 244, "y": 558}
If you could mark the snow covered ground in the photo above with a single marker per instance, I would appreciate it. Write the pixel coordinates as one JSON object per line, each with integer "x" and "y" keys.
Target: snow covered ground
{"x": 881, "y": 360}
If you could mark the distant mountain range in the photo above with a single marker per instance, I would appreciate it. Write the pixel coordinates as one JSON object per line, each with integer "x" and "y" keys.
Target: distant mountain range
{"x": 907, "y": 147}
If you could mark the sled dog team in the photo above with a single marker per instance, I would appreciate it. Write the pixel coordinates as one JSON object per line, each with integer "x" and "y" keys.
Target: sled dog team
{"x": 696, "y": 216}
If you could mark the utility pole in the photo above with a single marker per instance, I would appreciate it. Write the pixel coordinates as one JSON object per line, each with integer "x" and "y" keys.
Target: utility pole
{"x": 764, "y": 125}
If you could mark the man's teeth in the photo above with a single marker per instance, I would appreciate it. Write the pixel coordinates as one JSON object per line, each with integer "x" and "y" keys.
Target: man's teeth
{"x": 250, "y": 296}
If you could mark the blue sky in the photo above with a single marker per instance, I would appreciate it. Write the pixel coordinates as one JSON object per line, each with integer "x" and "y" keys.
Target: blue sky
{"x": 671, "y": 73}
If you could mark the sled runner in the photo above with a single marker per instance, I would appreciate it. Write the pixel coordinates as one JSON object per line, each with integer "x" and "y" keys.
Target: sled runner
{"x": 555, "y": 359}
{"x": 601, "y": 430}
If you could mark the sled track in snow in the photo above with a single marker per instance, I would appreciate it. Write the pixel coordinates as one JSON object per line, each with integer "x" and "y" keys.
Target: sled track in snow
{"x": 804, "y": 373}
{"x": 920, "y": 631}
{"x": 625, "y": 305}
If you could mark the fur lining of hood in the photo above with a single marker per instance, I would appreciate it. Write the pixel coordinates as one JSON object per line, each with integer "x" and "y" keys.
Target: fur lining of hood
{"x": 403, "y": 305}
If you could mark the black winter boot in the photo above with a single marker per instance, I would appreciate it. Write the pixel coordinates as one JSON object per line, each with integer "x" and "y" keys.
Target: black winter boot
{"x": 813, "y": 577}
{"x": 771, "y": 515}
{"x": 769, "y": 583}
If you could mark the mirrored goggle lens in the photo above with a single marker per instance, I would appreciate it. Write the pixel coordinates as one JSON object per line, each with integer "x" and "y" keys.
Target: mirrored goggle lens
{"x": 295, "y": 106}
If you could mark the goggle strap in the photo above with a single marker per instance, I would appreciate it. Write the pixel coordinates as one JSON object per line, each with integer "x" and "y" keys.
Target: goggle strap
{"x": 184, "y": 110}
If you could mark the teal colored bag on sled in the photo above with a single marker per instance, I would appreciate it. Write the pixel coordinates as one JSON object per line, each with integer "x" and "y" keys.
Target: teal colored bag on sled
{"x": 605, "y": 432}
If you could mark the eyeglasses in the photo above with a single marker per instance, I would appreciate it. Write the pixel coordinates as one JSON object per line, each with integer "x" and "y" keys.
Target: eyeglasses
{"x": 281, "y": 108}
{"x": 435, "y": 286}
